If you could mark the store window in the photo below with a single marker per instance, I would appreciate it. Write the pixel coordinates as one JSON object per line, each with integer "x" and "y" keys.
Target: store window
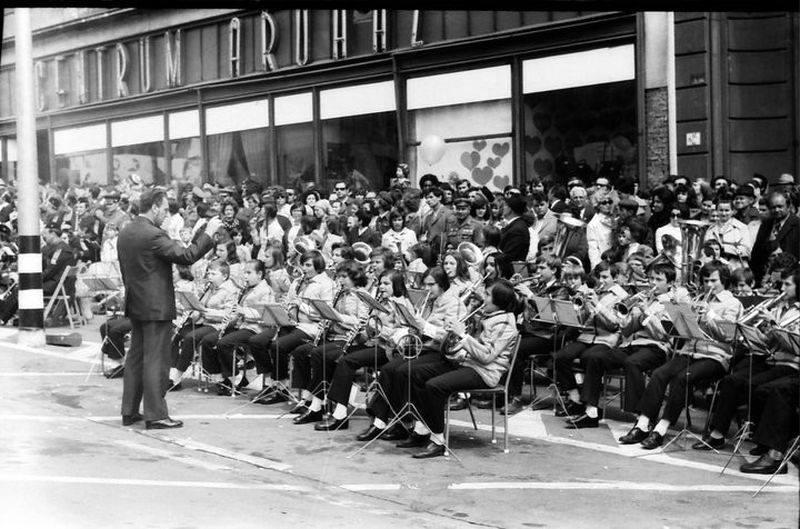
{"x": 8, "y": 163}
{"x": 580, "y": 115}
{"x": 359, "y": 135}
{"x": 80, "y": 154}
{"x": 469, "y": 112}
{"x": 186, "y": 155}
{"x": 238, "y": 142}
{"x": 294, "y": 131}
{"x": 137, "y": 148}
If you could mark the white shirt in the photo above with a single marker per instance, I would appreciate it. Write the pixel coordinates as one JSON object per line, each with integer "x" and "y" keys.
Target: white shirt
{"x": 733, "y": 236}
{"x": 406, "y": 237}
{"x": 598, "y": 237}
{"x": 172, "y": 225}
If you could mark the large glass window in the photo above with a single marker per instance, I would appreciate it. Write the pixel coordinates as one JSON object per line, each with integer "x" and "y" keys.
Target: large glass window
{"x": 470, "y": 111}
{"x": 294, "y": 132}
{"x": 580, "y": 115}
{"x": 238, "y": 142}
{"x": 80, "y": 154}
{"x": 359, "y": 135}
{"x": 137, "y": 148}
{"x": 186, "y": 158}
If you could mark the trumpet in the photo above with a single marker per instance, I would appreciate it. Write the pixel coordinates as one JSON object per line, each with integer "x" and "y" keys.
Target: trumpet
{"x": 755, "y": 311}
{"x": 517, "y": 279}
{"x": 470, "y": 290}
{"x": 624, "y": 307}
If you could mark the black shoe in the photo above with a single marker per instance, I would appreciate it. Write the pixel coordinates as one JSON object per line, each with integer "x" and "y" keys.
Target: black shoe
{"x": 224, "y": 388}
{"x": 331, "y": 425}
{"x": 396, "y": 433}
{"x": 243, "y": 383}
{"x": 370, "y": 433}
{"x": 584, "y": 421}
{"x": 572, "y": 408}
{"x": 117, "y": 372}
{"x": 763, "y": 465}
{"x": 175, "y": 386}
{"x": 634, "y": 436}
{"x": 458, "y": 403}
{"x": 308, "y": 417}
{"x": 275, "y": 398}
{"x": 654, "y": 440}
{"x": 708, "y": 443}
{"x": 431, "y": 450}
{"x": 415, "y": 440}
{"x": 163, "y": 424}
{"x": 127, "y": 420}
{"x": 483, "y": 404}
{"x": 299, "y": 409}
{"x": 759, "y": 450}
{"x": 514, "y": 407}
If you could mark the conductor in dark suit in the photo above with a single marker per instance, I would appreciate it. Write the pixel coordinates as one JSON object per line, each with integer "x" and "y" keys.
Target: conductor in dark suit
{"x": 779, "y": 233}
{"x": 515, "y": 238}
{"x": 146, "y": 254}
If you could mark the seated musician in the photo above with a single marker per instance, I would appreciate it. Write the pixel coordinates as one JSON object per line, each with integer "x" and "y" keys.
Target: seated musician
{"x": 535, "y": 336}
{"x": 777, "y": 425}
{"x": 307, "y": 360}
{"x": 380, "y": 260}
{"x": 442, "y": 305}
{"x": 704, "y": 359}
{"x": 742, "y": 282}
{"x": 644, "y": 346}
{"x": 475, "y": 363}
{"x": 602, "y": 333}
{"x": 770, "y": 361}
{"x": 275, "y": 273}
{"x": 218, "y": 348}
{"x": 272, "y": 352}
{"x": 218, "y": 295}
{"x": 458, "y": 272}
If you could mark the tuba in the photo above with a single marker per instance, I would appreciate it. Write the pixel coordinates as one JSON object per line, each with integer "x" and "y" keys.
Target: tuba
{"x": 304, "y": 244}
{"x": 471, "y": 254}
{"x": 693, "y": 233}
{"x": 361, "y": 251}
{"x": 566, "y": 230}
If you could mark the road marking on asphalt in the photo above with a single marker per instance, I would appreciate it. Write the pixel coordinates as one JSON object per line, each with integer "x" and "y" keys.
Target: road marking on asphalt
{"x": 188, "y": 460}
{"x": 15, "y": 478}
{"x": 78, "y": 355}
{"x": 613, "y": 485}
{"x": 24, "y": 374}
{"x": 359, "y": 487}
{"x": 260, "y": 462}
{"x": 106, "y": 418}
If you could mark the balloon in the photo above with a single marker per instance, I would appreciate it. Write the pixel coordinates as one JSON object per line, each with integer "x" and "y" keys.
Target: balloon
{"x": 432, "y": 149}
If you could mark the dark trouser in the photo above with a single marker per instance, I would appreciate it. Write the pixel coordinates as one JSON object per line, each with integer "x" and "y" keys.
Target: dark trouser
{"x": 219, "y": 358}
{"x": 562, "y": 362}
{"x": 529, "y": 345}
{"x": 281, "y": 349}
{"x": 673, "y": 375}
{"x": 190, "y": 344}
{"x": 432, "y": 382}
{"x": 259, "y": 348}
{"x": 778, "y": 422}
{"x": 733, "y": 389}
{"x": 345, "y": 371}
{"x": 635, "y": 360}
{"x": 393, "y": 378}
{"x": 113, "y": 333}
{"x": 323, "y": 364}
{"x": 146, "y": 375}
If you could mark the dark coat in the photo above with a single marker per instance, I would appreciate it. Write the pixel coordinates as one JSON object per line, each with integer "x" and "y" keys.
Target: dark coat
{"x": 788, "y": 239}
{"x": 55, "y": 259}
{"x": 370, "y": 236}
{"x": 515, "y": 240}
{"x": 146, "y": 255}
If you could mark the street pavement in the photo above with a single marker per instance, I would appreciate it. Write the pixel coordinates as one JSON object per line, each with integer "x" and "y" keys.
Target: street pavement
{"x": 67, "y": 462}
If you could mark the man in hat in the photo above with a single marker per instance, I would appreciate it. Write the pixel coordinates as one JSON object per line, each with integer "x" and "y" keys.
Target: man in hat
{"x": 515, "y": 238}
{"x": 465, "y": 228}
{"x": 743, "y": 201}
{"x": 113, "y": 213}
{"x": 785, "y": 183}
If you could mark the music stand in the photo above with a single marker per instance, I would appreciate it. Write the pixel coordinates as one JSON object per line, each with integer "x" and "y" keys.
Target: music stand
{"x": 791, "y": 341}
{"x": 326, "y": 312}
{"x": 189, "y": 302}
{"x": 686, "y": 326}
{"x": 109, "y": 286}
{"x": 275, "y": 315}
{"x": 750, "y": 336}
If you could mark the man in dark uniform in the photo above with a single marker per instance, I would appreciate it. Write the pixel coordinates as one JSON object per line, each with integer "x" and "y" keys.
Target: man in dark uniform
{"x": 515, "y": 237}
{"x": 56, "y": 256}
{"x": 466, "y": 228}
{"x": 146, "y": 254}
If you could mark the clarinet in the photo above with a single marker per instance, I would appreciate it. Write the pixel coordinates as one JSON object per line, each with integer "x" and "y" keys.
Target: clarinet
{"x": 188, "y": 314}
{"x": 325, "y": 324}
{"x": 353, "y": 333}
{"x": 230, "y": 317}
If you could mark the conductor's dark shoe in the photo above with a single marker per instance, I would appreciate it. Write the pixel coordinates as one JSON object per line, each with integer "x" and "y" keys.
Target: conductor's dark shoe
{"x": 572, "y": 408}
{"x": 395, "y": 433}
{"x": 763, "y": 465}
{"x": 759, "y": 450}
{"x": 458, "y": 403}
{"x": 708, "y": 443}
{"x": 127, "y": 420}
{"x": 584, "y": 421}
{"x": 369, "y": 434}
{"x": 163, "y": 424}
{"x": 652, "y": 441}
{"x": 331, "y": 425}
{"x": 514, "y": 407}
{"x": 415, "y": 440}
{"x": 635, "y": 435}
{"x": 431, "y": 450}
{"x": 276, "y": 398}
{"x": 308, "y": 417}
{"x": 224, "y": 389}
{"x": 117, "y": 372}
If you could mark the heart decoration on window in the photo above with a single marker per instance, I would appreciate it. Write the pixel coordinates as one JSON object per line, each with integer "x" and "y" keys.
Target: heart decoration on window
{"x": 553, "y": 145}
{"x": 482, "y": 175}
{"x": 479, "y": 145}
{"x": 501, "y": 149}
{"x": 543, "y": 167}
{"x": 532, "y": 144}
{"x": 493, "y": 162}
{"x": 501, "y": 181}
{"x": 542, "y": 121}
{"x": 470, "y": 160}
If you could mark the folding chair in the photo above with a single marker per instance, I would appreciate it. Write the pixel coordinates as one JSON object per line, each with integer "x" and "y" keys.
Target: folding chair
{"x": 60, "y": 295}
{"x": 501, "y": 388}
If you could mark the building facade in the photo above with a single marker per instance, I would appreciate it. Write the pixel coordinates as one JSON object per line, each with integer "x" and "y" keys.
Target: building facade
{"x": 497, "y": 97}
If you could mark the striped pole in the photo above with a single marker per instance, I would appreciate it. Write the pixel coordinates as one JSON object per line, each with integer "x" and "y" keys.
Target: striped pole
{"x": 29, "y": 266}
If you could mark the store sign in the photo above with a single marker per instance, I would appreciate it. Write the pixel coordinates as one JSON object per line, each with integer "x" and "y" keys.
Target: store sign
{"x": 125, "y": 69}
